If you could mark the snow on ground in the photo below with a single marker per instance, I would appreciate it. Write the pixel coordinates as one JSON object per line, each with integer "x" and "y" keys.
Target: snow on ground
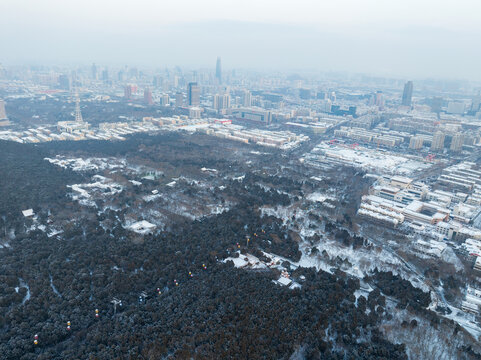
{"x": 149, "y": 198}
{"x": 319, "y": 197}
{"x": 87, "y": 164}
{"x": 204, "y": 169}
{"x": 467, "y": 321}
{"x": 370, "y": 159}
{"x": 362, "y": 261}
{"x": 450, "y": 257}
{"x": 246, "y": 261}
{"x": 23, "y": 284}
{"x": 104, "y": 186}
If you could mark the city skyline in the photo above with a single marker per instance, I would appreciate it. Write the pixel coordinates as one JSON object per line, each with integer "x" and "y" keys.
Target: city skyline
{"x": 412, "y": 41}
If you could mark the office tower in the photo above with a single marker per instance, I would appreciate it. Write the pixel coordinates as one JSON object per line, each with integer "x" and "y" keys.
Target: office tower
{"x": 128, "y": 92}
{"x": 120, "y": 76}
{"x": 148, "y": 97}
{"x": 416, "y": 142}
{"x": 164, "y": 100}
{"x": 438, "y": 141}
{"x": 379, "y": 99}
{"x": 216, "y": 102}
{"x": 105, "y": 75}
{"x": 436, "y": 104}
{"x": 93, "y": 72}
{"x": 225, "y": 101}
{"x": 179, "y": 99}
{"x": 476, "y": 104}
{"x": 457, "y": 142}
{"x": 64, "y": 82}
{"x": 247, "y": 98}
{"x": 408, "y": 94}
{"x": 3, "y": 113}
{"x": 218, "y": 71}
{"x": 193, "y": 94}
{"x": 158, "y": 81}
{"x": 332, "y": 96}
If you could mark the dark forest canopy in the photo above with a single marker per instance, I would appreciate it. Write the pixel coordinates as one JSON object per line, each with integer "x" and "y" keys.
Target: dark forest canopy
{"x": 219, "y": 312}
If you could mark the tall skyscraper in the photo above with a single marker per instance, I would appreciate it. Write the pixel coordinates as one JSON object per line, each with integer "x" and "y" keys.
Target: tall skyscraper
{"x": 129, "y": 91}
{"x": 179, "y": 99}
{"x": 221, "y": 102}
{"x": 164, "y": 100}
{"x": 476, "y": 104}
{"x": 3, "y": 113}
{"x": 457, "y": 142}
{"x": 247, "y": 98}
{"x": 408, "y": 94}
{"x": 379, "y": 99}
{"x": 438, "y": 141}
{"x": 105, "y": 75}
{"x": 64, "y": 82}
{"x": 193, "y": 94}
{"x": 93, "y": 72}
{"x": 218, "y": 70}
{"x": 148, "y": 97}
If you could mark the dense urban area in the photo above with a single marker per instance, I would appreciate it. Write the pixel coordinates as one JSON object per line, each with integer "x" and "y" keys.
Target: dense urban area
{"x": 201, "y": 214}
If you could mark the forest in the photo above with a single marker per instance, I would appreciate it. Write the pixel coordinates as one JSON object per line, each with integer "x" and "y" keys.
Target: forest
{"x": 178, "y": 298}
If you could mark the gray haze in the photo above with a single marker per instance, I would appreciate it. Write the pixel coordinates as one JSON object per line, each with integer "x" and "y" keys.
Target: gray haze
{"x": 407, "y": 38}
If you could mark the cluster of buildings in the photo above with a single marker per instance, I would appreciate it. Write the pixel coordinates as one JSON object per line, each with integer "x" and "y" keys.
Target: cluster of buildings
{"x": 280, "y": 139}
{"x": 443, "y": 212}
{"x": 335, "y": 153}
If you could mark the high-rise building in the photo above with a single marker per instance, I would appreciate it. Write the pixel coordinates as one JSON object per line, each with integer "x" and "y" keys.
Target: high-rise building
{"x": 416, "y": 142}
{"x": 457, "y": 142}
{"x": 379, "y": 99}
{"x": 216, "y": 102}
{"x": 64, "y": 82}
{"x": 247, "y": 98}
{"x": 105, "y": 75}
{"x": 438, "y": 141}
{"x": 436, "y": 104}
{"x": 148, "y": 96}
{"x": 225, "y": 101}
{"x": 218, "y": 70}
{"x": 157, "y": 81}
{"x": 164, "y": 100}
{"x": 129, "y": 91}
{"x": 408, "y": 94}
{"x": 120, "y": 76}
{"x": 476, "y": 104}
{"x": 193, "y": 94}
{"x": 3, "y": 113}
{"x": 93, "y": 72}
{"x": 179, "y": 99}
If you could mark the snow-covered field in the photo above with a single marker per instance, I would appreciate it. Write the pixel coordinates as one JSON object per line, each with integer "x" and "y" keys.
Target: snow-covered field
{"x": 88, "y": 164}
{"x": 102, "y": 186}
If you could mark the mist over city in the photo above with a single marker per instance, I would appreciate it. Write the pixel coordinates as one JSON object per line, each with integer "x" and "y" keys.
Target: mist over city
{"x": 240, "y": 180}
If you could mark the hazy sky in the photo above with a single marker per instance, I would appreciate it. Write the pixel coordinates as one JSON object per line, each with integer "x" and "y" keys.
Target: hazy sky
{"x": 408, "y": 38}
